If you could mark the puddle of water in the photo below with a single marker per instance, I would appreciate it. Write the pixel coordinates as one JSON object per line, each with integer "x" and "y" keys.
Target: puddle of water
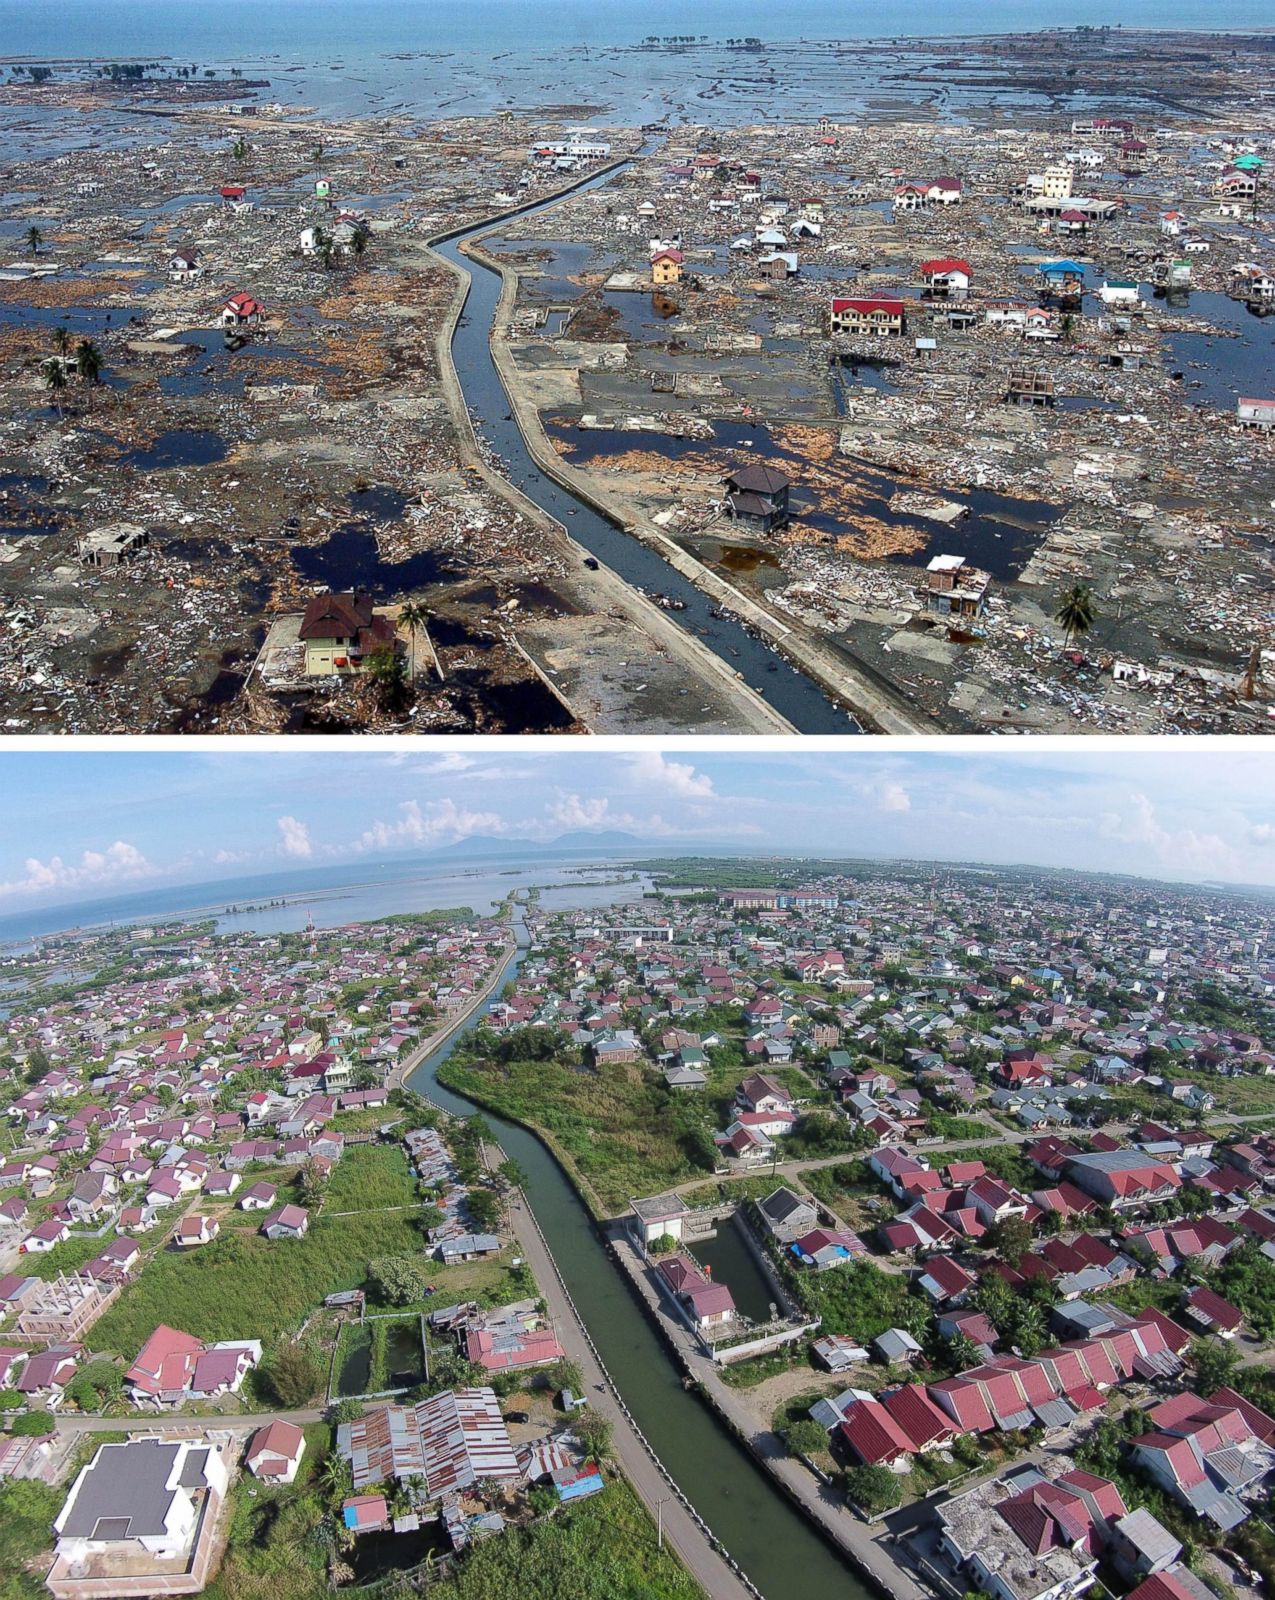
{"x": 999, "y": 546}
{"x": 740, "y": 557}
{"x": 179, "y": 447}
{"x": 1229, "y": 367}
{"x": 349, "y": 559}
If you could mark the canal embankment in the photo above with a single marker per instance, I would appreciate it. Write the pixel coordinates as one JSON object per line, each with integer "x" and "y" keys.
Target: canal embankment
{"x": 749, "y": 712}
{"x": 872, "y": 703}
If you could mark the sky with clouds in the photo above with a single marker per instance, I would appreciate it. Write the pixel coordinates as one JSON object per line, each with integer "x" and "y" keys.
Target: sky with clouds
{"x": 79, "y": 825}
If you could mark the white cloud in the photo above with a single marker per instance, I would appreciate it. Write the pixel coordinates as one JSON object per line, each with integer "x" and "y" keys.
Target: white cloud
{"x": 118, "y": 863}
{"x": 1184, "y": 850}
{"x": 441, "y": 819}
{"x": 573, "y": 811}
{"x": 894, "y": 797}
{"x": 676, "y": 777}
{"x": 226, "y": 858}
{"x": 295, "y": 838}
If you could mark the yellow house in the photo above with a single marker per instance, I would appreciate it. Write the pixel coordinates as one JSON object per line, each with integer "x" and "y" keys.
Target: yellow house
{"x": 339, "y": 631}
{"x": 667, "y": 267}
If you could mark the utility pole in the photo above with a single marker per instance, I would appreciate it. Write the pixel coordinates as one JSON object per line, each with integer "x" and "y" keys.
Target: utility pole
{"x": 659, "y": 1521}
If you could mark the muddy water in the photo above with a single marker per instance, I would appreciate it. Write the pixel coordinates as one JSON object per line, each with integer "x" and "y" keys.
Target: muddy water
{"x": 1000, "y": 534}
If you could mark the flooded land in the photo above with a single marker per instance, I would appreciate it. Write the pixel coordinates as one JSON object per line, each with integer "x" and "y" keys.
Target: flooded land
{"x": 997, "y": 327}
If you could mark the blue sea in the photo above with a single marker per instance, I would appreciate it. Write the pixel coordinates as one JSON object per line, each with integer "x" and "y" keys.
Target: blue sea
{"x": 282, "y": 902}
{"x": 361, "y": 30}
{"x": 421, "y": 58}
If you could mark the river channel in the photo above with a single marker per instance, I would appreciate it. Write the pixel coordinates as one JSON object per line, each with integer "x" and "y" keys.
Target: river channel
{"x": 776, "y": 1546}
{"x": 792, "y": 694}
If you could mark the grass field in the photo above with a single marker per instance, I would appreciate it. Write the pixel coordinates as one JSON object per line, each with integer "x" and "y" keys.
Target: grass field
{"x": 616, "y": 1128}
{"x": 371, "y": 1177}
{"x": 245, "y": 1286}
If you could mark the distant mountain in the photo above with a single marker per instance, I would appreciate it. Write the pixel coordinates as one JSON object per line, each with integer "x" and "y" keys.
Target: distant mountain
{"x": 583, "y": 840}
{"x": 489, "y": 845}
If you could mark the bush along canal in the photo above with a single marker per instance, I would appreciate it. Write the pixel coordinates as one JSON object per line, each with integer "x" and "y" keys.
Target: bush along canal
{"x": 779, "y": 1550}
{"x": 790, "y": 692}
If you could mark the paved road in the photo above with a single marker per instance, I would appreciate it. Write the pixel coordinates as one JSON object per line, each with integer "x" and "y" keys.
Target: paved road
{"x": 680, "y": 1529}
{"x": 176, "y": 1421}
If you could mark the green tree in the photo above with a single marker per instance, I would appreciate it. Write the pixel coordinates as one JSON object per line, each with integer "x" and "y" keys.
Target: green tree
{"x": 348, "y": 1409}
{"x": 873, "y": 1488}
{"x": 88, "y": 361}
{"x": 1076, "y": 611}
{"x": 1215, "y": 1364}
{"x": 1012, "y": 1237}
{"x": 565, "y": 1374}
{"x": 593, "y": 1431}
{"x": 34, "y": 239}
{"x": 294, "y": 1374}
{"x": 511, "y": 1174}
{"x": 805, "y": 1437}
{"x": 386, "y": 669}
{"x": 33, "y": 1424}
{"x": 484, "y": 1208}
{"x": 55, "y": 381}
{"x": 414, "y": 616}
{"x": 398, "y": 1280}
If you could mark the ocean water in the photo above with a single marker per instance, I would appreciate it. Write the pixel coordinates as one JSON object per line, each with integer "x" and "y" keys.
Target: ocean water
{"x": 359, "y": 30}
{"x": 336, "y": 895}
{"x": 418, "y": 57}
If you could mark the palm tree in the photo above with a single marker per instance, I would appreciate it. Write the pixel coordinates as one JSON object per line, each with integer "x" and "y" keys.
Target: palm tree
{"x": 359, "y": 242}
{"x": 240, "y": 150}
{"x": 325, "y": 245}
{"x": 34, "y": 238}
{"x": 414, "y": 615}
{"x": 88, "y": 358}
{"x": 1076, "y": 611}
{"x": 55, "y": 380}
{"x": 385, "y": 668}
{"x": 62, "y": 339}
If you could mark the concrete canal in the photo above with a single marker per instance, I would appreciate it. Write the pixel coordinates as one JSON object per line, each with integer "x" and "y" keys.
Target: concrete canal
{"x": 774, "y": 1544}
{"x": 790, "y": 692}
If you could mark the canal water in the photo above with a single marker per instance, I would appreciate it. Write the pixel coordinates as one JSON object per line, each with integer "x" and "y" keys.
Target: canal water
{"x": 792, "y": 694}
{"x": 773, "y": 1542}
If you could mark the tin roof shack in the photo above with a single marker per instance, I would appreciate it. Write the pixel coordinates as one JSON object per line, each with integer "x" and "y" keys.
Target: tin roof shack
{"x": 454, "y": 1441}
{"x": 113, "y": 545}
{"x": 1253, "y": 413}
{"x": 954, "y": 588}
{"x": 142, "y": 1518}
{"x": 339, "y": 632}
{"x": 758, "y": 497}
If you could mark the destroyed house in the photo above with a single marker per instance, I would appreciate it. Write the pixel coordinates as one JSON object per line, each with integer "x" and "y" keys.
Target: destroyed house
{"x": 954, "y": 588}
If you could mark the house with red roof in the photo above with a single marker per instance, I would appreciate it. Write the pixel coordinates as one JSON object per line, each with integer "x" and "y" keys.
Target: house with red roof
{"x": 945, "y": 1282}
{"x": 288, "y": 1222}
{"x": 947, "y": 275}
{"x": 873, "y": 1437}
{"x": 1206, "y": 1309}
{"x": 274, "y": 1452}
{"x": 925, "y": 1425}
{"x": 874, "y": 316}
{"x": 242, "y": 310}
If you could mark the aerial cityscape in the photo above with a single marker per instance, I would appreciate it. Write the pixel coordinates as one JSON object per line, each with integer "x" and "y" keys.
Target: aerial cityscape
{"x": 637, "y": 862}
{"x": 491, "y": 1206}
{"x": 636, "y": 382}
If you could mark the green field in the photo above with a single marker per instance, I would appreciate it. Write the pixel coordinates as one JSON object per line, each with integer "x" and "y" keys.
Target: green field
{"x": 245, "y": 1286}
{"x": 600, "y": 1549}
{"x": 616, "y": 1129}
{"x": 371, "y": 1177}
